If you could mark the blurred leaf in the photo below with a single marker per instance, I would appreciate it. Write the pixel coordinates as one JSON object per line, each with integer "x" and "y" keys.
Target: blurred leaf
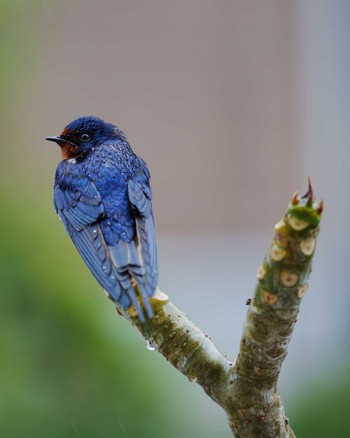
{"x": 323, "y": 407}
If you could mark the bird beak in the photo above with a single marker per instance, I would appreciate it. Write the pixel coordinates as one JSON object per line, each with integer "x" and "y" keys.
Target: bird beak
{"x": 57, "y": 139}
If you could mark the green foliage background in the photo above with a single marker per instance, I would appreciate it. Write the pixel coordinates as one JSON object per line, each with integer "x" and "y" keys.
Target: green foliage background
{"x": 70, "y": 367}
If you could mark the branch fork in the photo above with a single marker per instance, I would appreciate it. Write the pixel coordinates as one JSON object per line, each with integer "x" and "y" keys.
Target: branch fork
{"x": 246, "y": 388}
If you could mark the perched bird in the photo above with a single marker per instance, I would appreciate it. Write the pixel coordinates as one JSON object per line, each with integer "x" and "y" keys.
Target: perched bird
{"x": 103, "y": 196}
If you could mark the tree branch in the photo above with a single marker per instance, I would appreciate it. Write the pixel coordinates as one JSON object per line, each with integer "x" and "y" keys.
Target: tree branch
{"x": 246, "y": 388}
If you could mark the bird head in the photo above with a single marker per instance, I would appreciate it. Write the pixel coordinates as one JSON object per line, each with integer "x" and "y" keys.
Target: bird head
{"x": 83, "y": 134}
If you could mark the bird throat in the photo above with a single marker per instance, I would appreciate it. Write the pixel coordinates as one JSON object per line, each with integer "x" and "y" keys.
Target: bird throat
{"x": 68, "y": 151}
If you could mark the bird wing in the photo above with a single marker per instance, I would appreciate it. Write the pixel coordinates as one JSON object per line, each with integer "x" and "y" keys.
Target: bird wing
{"x": 140, "y": 196}
{"x": 79, "y": 206}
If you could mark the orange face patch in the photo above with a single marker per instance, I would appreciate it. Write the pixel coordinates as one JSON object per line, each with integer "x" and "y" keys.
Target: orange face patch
{"x": 65, "y": 132}
{"x": 68, "y": 151}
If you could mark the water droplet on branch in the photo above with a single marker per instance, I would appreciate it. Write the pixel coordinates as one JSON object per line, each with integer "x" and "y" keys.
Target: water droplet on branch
{"x": 149, "y": 346}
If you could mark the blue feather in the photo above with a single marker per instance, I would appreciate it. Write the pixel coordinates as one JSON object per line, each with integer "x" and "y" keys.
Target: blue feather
{"x": 104, "y": 199}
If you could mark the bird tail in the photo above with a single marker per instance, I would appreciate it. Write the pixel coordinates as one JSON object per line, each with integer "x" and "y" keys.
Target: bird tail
{"x": 127, "y": 267}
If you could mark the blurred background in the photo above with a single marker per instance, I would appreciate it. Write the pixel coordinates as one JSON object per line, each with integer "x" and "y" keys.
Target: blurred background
{"x": 232, "y": 104}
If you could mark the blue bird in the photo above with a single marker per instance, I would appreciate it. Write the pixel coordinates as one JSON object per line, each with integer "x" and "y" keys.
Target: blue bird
{"x": 103, "y": 196}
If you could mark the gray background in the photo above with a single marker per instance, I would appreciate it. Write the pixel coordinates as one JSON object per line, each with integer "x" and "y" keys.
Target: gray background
{"x": 232, "y": 104}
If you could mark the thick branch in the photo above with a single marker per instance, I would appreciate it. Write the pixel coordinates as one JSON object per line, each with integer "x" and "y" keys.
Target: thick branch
{"x": 282, "y": 283}
{"x": 187, "y": 348}
{"x": 246, "y": 389}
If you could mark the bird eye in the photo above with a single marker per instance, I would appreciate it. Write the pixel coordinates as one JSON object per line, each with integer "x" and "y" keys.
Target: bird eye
{"x": 85, "y": 137}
